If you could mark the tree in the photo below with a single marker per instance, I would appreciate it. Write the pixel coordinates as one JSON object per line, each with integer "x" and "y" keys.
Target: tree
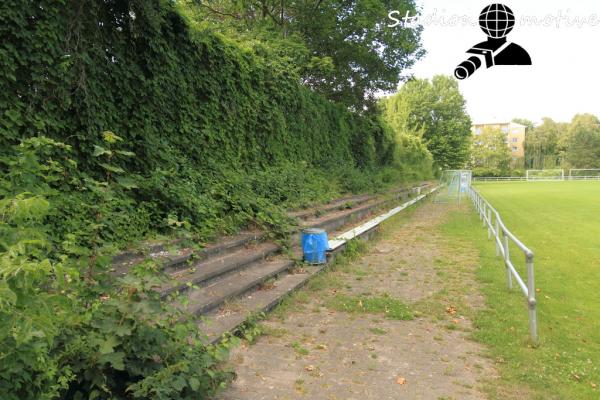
{"x": 489, "y": 150}
{"x": 583, "y": 142}
{"x": 345, "y": 49}
{"x": 524, "y": 121}
{"x": 542, "y": 144}
{"x": 436, "y": 110}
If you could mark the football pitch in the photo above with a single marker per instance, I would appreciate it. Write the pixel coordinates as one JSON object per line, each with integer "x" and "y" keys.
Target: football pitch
{"x": 560, "y": 222}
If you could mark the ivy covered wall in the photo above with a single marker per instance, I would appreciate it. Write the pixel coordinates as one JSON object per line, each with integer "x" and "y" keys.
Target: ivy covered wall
{"x": 75, "y": 68}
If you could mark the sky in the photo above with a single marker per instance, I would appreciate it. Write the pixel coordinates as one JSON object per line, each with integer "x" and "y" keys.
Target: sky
{"x": 563, "y": 80}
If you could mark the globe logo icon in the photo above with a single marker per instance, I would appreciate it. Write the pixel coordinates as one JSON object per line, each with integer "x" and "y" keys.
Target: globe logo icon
{"x": 496, "y": 20}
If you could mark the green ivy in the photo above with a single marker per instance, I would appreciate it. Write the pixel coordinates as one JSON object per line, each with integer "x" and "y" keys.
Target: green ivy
{"x": 204, "y": 117}
{"x": 70, "y": 330}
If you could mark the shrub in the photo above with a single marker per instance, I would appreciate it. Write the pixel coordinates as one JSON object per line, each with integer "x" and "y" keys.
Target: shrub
{"x": 70, "y": 330}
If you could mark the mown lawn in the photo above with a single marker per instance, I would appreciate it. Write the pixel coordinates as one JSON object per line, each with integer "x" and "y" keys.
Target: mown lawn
{"x": 560, "y": 222}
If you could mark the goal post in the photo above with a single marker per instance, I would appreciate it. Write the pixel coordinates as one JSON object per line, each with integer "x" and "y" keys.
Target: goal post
{"x": 545, "y": 175}
{"x": 584, "y": 174}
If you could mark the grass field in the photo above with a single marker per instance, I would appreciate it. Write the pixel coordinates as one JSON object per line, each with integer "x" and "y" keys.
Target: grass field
{"x": 560, "y": 222}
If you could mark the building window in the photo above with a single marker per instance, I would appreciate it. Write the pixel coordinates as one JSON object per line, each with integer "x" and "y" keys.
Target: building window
{"x": 505, "y": 129}
{"x": 478, "y": 131}
{"x": 515, "y": 130}
{"x": 515, "y": 140}
{"x": 515, "y": 148}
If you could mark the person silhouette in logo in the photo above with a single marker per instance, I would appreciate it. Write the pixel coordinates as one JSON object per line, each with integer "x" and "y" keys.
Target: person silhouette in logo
{"x": 496, "y": 21}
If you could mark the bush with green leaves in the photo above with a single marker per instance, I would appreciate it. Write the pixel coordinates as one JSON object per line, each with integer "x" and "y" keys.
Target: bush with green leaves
{"x": 70, "y": 330}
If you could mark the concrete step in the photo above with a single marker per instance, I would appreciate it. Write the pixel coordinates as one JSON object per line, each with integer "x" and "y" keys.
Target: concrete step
{"x": 215, "y": 293}
{"x": 212, "y": 267}
{"x": 175, "y": 258}
{"x": 146, "y": 248}
{"x": 335, "y": 220}
{"x": 336, "y": 205}
{"x": 229, "y": 317}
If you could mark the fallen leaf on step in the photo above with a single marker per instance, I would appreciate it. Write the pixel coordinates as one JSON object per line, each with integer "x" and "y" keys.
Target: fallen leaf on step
{"x": 309, "y": 368}
{"x": 401, "y": 381}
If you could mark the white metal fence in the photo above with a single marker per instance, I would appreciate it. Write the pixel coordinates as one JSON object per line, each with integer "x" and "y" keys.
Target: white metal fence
{"x": 498, "y": 178}
{"x": 502, "y": 237}
{"x": 533, "y": 179}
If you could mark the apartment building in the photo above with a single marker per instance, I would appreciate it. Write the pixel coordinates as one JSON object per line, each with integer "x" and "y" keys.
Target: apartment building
{"x": 515, "y": 136}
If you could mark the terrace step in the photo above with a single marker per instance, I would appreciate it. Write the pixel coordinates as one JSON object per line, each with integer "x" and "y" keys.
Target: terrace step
{"x": 216, "y": 293}
{"x": 223, "y": 281}
{"x": 229, "y": 317}
{"x": 335, "y": 220}
{"x": 339, "y": 204}
{"x": 213, "y": 267}
{"x": 174, "y": 258}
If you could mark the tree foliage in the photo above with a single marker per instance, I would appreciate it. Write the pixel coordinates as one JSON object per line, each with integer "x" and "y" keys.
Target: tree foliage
{"x": 570, "y": 145}
{"x": 436, "y": 111}
{"x": 344, "y": 49}
{"x": 541, "y": 144}
{"x": 583, "y": 142}
{"x": 489, "y": 151}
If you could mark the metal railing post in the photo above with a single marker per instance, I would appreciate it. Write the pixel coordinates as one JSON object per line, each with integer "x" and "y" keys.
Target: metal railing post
{"x": 531, "y": 302}
{"x": 506, "y": 261}
{"x": 497, "y": 236}
{"x": 489, "y": 223}
{"x": 483, "y": 215}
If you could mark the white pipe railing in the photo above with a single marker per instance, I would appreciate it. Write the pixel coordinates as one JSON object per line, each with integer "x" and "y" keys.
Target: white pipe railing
{"x": 491, "y": 219}
{"x": 534, "y": 179}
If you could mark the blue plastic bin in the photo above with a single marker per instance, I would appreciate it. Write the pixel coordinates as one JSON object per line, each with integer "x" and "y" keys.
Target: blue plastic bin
{"x": 314, "y": 245}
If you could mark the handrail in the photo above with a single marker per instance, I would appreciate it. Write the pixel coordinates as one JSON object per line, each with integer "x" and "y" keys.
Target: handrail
{"x": 534, "y": 179}
{"x": 496, "y": 227}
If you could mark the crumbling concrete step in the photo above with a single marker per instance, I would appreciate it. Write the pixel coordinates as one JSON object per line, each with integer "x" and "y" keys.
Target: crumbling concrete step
{"x": 174, "y": 258}
{"x": 212, "y": 267}
{"x": 231, "y": 316}
{"x": 338, "y": 204}
{"x": 214, "y": 294}
{"x": 334, "y": 221}
{"x": 230, "y": 243}
{"x": 147, "y": 248}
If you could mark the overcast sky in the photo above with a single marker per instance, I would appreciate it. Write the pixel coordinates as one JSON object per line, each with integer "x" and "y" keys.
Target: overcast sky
{"x": 563, "y": 80}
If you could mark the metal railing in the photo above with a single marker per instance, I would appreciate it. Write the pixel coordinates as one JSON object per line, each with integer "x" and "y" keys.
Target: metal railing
{"x": 534, "y": 179}
{"x": 498, "y": 178}
{"x": 496, "y": 229}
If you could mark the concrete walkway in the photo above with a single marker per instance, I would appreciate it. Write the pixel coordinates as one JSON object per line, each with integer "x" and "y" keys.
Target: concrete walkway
{"x": 344, "y": 336}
